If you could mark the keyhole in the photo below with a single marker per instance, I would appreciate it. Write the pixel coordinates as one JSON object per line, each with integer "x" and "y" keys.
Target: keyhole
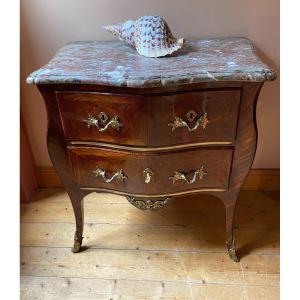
{"x": 103, "y": 117}
{"x": 191, "y": 115}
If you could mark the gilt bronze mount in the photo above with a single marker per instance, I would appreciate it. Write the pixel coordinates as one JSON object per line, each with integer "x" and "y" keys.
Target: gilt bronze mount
{"x": 148, "y": 204}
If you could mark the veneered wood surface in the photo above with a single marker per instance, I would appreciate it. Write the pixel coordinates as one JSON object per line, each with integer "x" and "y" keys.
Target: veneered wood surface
{"x": 244, "y": 147}
{"x": 145, "y": 119}
{"x": 257, "y": 179}
{"x": 244, "y": 152}
{"x": 194, "y": 86}
{"x": 75, "y": 107}
{"x": 216, "y": 162}
{"x": 221, "y": 106}
{"x": 56, "y": 144}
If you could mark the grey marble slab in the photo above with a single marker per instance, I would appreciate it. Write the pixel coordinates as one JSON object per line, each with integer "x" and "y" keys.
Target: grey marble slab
{"x": 117, "y": 64}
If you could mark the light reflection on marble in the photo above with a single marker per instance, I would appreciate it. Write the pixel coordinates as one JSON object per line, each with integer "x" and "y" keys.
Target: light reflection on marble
{"x": 117, "y": 64}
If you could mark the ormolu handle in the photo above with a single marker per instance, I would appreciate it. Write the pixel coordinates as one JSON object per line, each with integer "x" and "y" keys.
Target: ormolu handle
{"x": 119, "y": 175}
{"x": 103, "y": 119}
{"x": 201, "y": 122}
{"x": 199, "y": 173}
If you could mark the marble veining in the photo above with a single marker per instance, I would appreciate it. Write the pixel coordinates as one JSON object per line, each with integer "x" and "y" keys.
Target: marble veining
{"x": 117, "y": 64}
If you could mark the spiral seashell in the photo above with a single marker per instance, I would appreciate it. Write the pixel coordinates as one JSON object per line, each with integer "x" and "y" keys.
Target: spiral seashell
{"x": 149, "y": 35}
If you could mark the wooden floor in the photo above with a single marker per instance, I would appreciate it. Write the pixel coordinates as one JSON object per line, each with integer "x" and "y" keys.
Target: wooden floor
{"x": 175, "y": 253}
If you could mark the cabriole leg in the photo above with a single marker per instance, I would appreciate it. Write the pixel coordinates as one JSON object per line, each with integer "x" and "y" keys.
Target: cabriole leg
{"x": 77, "y": 204}
{"x": 58, "y": 154}
{"x": 230, "y": 242}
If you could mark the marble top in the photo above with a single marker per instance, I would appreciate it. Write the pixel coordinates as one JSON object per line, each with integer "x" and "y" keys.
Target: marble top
{"x": 117, "y": 64}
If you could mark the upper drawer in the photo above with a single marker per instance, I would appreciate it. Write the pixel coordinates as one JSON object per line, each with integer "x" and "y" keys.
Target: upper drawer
{"x": 206, "y": 116}
{"x": 111, "y": 118}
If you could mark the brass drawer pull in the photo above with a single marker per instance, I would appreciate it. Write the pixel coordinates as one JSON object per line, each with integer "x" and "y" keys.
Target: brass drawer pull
{"x": 119, "y": 175}
{"x": 199, "y": 173}
{"x": 201, "y": 122}
{"x": 104, "y": 120}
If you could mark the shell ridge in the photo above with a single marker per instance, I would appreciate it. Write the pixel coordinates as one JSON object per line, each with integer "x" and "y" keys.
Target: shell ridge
{"x": 149, "y": 35}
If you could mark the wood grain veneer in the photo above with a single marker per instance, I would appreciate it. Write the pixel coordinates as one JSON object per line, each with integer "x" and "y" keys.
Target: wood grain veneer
{"x": 194, "y": 112}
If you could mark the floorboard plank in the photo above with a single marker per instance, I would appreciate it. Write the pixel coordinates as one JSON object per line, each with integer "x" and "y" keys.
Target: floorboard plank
{"x": 175, "y": 253}
{"x": 257, "y": 210}
{"x": 150, "y": 265}
{"x": 83, "y": 289}
{"x": 148, "y": 237}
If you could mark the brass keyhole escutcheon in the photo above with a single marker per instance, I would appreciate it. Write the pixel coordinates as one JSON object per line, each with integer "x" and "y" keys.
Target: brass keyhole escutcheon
{"x": 191, "y": 115}
{"x": 148, "y": 174}
{"x": 103, "y": 117}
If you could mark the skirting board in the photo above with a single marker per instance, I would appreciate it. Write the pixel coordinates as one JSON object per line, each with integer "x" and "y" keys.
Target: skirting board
{"x": 258, "y": 179}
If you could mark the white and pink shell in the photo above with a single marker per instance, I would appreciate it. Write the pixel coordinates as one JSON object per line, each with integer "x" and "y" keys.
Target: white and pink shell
{"x": 149, "y": 35}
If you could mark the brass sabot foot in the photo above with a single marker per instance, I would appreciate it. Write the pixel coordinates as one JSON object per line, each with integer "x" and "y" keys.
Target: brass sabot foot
{"x": 231, "y": 250}
{"x": 77, "y": 244}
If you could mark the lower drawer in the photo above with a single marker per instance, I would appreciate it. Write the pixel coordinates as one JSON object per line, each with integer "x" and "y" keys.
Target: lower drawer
{"x": 151, "y": 173}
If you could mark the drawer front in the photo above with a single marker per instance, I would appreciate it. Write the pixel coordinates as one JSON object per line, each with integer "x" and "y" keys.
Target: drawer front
{"x": 152, "y": 173}
{"x": 208, "y": 116}
{"x": 103, "y": 117}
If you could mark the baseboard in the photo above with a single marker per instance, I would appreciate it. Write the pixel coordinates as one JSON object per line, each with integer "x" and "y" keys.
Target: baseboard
{"x": 47, "y": 177}
{"x": 257, "y": 180}
{"x": 263, "y": 180}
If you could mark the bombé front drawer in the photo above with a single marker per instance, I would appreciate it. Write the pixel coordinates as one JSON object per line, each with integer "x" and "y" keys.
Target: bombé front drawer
{"x": 151, "y": 173}
{"x": 111, "y": 118}
{"x": 194, "y": 117}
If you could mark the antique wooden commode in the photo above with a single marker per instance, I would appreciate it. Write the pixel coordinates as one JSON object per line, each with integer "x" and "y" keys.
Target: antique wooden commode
{"x": 153, "y": 128}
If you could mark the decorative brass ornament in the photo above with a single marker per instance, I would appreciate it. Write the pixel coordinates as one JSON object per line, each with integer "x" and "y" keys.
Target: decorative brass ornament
{"x": 148, "y": 174}
{"x": 119, "y": 175}
{"x": 104, "y": 120}
{"x": 148, "y": 204}
{"x": 91, "y": 121}
{"x": 199, "y": 173}
{"x": 77, "y": 243}
{"x": 179, "y": 123}
{"x": 230, "y": 244}
{"x": 191, "y": 115}
{"x": 103, "y": 117}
